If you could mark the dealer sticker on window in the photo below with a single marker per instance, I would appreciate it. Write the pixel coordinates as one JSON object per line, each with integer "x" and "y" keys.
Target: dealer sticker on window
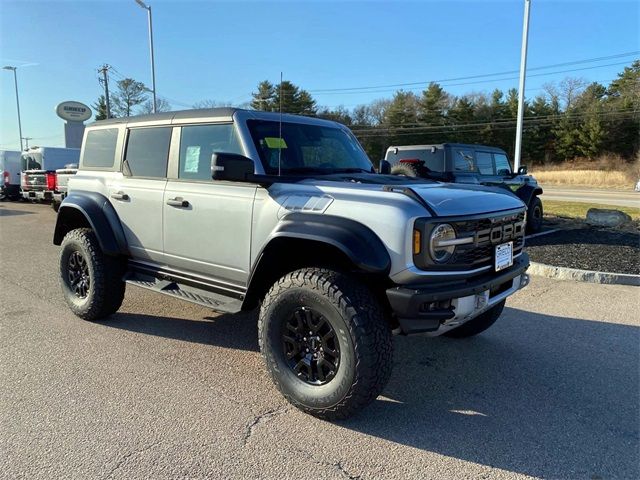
{"x": 504, "y": 256}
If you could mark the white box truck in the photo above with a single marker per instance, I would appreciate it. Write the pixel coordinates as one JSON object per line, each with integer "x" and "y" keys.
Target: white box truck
{"x": 39, "y": 165}
{"x": 9, "y": 174}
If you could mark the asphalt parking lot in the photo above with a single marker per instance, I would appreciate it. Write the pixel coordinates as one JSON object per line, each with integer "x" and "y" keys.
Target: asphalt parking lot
{"x": 166, "y": 389}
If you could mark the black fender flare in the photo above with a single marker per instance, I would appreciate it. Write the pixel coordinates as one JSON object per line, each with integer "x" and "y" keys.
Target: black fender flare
{"x": 357, "y": 241}
{"x": 526, "y": 193}
{"x": 101, "y": 216}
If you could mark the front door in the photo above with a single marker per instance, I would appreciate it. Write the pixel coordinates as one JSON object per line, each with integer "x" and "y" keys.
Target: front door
{"x": 207, "y": 224}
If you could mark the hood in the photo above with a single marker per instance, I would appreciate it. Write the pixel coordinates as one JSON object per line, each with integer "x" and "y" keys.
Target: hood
{"x": 449, "y": 200}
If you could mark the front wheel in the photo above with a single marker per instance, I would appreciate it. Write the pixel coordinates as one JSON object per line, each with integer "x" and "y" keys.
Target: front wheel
{"x": 534, "y": 215}
{"x": 479, "y": 324}
{"x": 325, "y": 342}
{"x": 91, "y": 281}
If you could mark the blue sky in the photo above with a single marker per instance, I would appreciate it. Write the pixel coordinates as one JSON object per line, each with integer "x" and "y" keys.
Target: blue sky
{"x": 221, "y": 50}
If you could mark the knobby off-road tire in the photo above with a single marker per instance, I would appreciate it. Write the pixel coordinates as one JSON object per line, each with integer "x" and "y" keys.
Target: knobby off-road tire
{"x": 361, "y": 336}
{"x": 478, "y": 324}
{"x": 91, "y": 281}
{"x": 404, "y": 169}
{"x": 534, "y": 215}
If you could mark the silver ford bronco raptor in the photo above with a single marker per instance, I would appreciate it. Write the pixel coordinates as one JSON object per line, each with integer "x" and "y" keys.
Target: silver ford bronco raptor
{"x": 235, "y": 210}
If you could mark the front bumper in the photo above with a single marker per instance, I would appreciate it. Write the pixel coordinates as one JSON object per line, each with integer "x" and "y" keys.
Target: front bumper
{"x": 440, "y": 307}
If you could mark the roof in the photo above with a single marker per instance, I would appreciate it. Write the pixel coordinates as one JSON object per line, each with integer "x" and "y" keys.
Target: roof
{"x": 208, "y": 114}
{"x": 443, "y": 145}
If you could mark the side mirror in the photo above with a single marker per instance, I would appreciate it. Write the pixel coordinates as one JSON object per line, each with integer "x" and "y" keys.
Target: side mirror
{"x": 231, "y": 166}
{"x": 522, "y": 170}
{"x": 385, "y": 167}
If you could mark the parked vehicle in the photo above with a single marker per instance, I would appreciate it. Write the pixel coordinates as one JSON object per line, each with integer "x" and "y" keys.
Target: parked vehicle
{"x": 465, "y": 163}
{"x": 10, "y": 175}
{"x": 60, "y": 187}
{"x": 236, "y": 209}
{"x": 37, "y": 180}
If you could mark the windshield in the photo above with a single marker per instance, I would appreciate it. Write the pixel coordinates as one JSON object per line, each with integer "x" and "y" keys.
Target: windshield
{"x": 307, "y": 148}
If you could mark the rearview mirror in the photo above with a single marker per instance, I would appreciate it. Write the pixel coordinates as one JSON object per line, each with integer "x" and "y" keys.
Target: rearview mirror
{"x": 385, "y": 167}
{"x": 522, "y": 170}
{"x": 231, "y": 166}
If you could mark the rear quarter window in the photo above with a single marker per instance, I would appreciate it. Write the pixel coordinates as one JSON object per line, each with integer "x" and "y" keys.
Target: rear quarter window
{"x": 100, "y": 148}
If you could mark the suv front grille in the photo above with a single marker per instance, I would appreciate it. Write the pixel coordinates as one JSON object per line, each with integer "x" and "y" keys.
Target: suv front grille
{"x": 486, "y": 233}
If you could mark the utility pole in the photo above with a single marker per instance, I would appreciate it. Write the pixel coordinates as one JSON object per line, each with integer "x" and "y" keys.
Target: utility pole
{"x": 105, "y": 68}
{"x": 523, "y": 72}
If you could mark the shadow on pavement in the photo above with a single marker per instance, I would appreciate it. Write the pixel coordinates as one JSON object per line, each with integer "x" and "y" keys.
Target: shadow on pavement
{"x": 539, "y": 395}
{"x": 238, "y": 331}
{"x": 5, "y": 212}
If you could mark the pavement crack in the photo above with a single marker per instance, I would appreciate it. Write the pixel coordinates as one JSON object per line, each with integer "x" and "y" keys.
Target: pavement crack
{"x": 336, "y": 465}
{"x": 261, "y": 419}
{"x": 128, "y": 455}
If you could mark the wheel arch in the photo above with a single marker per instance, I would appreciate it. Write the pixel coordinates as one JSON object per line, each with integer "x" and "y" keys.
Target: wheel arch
{"x": 306, "y": 240}
{"x": 526, "y": 193}
{"x": 92, "y": 210}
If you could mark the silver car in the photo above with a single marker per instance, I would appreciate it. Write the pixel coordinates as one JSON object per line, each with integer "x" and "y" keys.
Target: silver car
{"x": 236, "y": 210}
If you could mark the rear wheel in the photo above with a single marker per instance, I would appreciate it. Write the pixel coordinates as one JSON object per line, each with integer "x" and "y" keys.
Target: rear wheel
{"x": 91, "y": 281}
{"x": 55, "y": 205}
{"x": 325, "y": 342}
{"x": 478, "y": 324}
{"x": 534, "y": 215}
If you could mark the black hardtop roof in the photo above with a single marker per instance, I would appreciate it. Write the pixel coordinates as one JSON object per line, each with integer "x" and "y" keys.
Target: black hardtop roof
{"x": 475, "y": 146}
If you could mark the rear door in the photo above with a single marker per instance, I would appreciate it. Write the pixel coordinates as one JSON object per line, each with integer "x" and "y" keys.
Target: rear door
{"x": 137, "y": 194}
{"x": 207, "y": 224}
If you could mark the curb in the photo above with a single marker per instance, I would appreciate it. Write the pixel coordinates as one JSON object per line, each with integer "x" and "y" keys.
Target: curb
{"x": 589, "y": 276}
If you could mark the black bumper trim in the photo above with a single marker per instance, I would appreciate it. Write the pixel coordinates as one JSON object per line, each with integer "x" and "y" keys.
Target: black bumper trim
{"x": 406, "y": 300}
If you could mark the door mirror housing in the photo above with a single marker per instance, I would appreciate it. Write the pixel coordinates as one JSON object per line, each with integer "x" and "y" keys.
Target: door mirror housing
{"x": 522, "y": 170}
{"x": 385, "y": 167}
{"x": 231, "y": 166}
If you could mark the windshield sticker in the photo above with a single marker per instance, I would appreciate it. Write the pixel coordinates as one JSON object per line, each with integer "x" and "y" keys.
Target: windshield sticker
{"x": 275, "y": 142}
{"x": 192, "y": 159}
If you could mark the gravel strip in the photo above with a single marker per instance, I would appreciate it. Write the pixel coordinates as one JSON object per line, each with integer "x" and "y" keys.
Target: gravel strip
{"x": 589, "y": 248}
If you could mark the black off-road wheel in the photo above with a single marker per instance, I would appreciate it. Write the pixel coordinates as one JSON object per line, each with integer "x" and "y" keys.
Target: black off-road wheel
{"x": 478, "y": 324}
{"x": 91, "y": 281}
{"x": 534, "y": 215}
{"x": 325, "y": 342}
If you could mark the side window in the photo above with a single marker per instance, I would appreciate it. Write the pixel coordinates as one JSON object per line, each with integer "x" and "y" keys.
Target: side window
{"x": 484, "y": 162}
{"x": 502, "y": 164}
{"x": 197, "y": 143}
{"x": 463, "y": 160}
{"x": 100, "y": 148}
{"x": 147, "y": 152}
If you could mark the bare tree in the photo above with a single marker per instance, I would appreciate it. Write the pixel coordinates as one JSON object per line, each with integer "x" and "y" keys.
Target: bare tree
{"x": 162, "y": 105}
{"x": 570, "y": 89}
{"x": 130, "y": 93}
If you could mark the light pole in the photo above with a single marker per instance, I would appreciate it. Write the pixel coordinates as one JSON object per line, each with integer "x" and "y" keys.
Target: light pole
{"x": 15, "y": 80}
{"x": 153, "y": 66}
{"x": 523, "y": 72}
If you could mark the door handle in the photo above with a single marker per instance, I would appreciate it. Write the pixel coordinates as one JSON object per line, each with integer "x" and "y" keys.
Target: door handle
{"x": 120, "y": 196}
{"x": 178, "y": 202}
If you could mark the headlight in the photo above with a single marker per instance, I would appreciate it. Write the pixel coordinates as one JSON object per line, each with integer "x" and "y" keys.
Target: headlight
{"x": 440, "y": 246}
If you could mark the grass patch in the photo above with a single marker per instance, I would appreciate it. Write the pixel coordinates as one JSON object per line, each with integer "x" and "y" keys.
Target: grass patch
{"x": 585, "y": 178}
{"x": 579, "y": 210}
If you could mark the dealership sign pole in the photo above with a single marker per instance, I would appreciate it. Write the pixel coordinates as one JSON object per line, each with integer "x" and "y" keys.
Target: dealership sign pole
{"x": 523, "y": 71}
{"x": 74, "y": 114}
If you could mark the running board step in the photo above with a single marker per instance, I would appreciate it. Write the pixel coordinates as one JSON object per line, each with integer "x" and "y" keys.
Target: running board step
{"x": 215, "y": 301}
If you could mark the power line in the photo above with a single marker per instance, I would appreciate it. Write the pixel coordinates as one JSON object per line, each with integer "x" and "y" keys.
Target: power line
{"x": 472, "y": 83}
{"x": 471, "y": 77}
